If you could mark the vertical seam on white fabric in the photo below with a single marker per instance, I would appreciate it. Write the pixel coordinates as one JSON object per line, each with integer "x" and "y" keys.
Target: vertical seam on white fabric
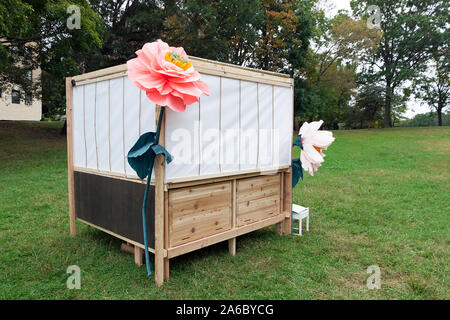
{"x": 140, "y": 110}
{"x": 257, "y": 107}
{"x": 84, "y": 125}
{"x": 109, "y": 124}
{"x": 273, "y": 112}
{"x": 199, "y": 139}
{"x": 239, "y": 131}
{"x": 123, "y": 127}
{"x": 95, "y": 122}
{"x": 220, "y": 126}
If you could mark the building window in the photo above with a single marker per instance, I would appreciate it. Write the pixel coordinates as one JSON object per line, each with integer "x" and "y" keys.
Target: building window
{"x": 30, "y": 75}
{"x": 28, "y": 52}
{"x": 28, "y": 99}
{"x": 15, "y": 96}
{"x": 15, "y": 52}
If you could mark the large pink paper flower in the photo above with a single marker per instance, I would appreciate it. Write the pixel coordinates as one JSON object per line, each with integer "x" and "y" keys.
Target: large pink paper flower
{"x": 166, "y": 75}
{"x": 314, "y": 141}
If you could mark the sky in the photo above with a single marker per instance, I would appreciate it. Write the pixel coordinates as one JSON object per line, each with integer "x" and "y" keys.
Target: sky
{"x": 337, "y": 5}
{"x": 332, "y": 7}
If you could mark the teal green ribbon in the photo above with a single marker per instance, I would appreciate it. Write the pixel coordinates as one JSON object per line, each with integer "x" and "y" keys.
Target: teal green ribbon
{"x": 141, "y": 158}
{"x": 297, "y": 170}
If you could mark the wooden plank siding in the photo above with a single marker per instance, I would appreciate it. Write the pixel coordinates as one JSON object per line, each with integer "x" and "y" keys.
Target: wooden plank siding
{"x": 258, "y": 198}
{"x": 200, "y": 211}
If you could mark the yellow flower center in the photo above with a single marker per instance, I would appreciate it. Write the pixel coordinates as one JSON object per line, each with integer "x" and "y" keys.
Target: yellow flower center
{"x": 318, "y": 149}
{"x": 178, "y": 60}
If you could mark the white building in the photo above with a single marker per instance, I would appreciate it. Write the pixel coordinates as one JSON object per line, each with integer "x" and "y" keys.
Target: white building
{"x": 15, "y": 105}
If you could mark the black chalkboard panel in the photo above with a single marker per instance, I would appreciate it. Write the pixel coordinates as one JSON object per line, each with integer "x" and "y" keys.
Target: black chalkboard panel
{"x": 115, "y": 205}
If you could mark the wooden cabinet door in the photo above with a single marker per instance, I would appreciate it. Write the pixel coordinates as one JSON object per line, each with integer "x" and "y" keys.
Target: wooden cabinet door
{"x": 199, "y": 211}
{"x": 258, "y": 198}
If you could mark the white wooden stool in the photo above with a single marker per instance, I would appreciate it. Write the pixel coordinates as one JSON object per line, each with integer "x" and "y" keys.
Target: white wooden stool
{"x": 299, "y": 213}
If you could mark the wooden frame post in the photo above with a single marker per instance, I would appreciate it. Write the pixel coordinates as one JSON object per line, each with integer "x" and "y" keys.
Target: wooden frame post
{"x": 159, "y": 205}
{"x": 72, "y": 216}
{"x": 166, "y": 234}
{"x": 232, "y": 241}
{"x": 279, "y": 226}
{"x": 287, "y": 184}
{"x": 287, "y": 200}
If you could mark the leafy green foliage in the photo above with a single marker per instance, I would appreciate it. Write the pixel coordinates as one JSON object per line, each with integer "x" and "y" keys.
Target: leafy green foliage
{"x": 433, "y": 87}
{"x": 330, "y": 72}
{"x": 127, "y": 25}
{"x": 426, "y": 120}
{"x": 224, "y": 30}
{"x": 332, "y": 60}
{"x": 35, "y": 35}
{"x": 411, "y": 29}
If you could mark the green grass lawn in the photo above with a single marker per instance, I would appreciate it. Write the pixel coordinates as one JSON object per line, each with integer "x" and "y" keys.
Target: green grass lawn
{"x": 381, "y": 198}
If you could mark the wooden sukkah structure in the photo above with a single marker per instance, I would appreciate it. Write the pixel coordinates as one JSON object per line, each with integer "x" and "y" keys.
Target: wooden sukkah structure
{"x": 235, "y": 175}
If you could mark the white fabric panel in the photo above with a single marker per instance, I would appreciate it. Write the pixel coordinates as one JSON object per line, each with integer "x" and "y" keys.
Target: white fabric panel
{"x": 147, "y": 118}
{"x": 148, "y": 122}
{"x": 117, "y": 124}
{"x": 265, "y": 126}
{"x": 283, "y": 125}
{"x": 229, "y": 132}
{"x": 79, "y": 148}
{"x": 102, "y": 124}
{"x": 209, "y": 127}
{"x": 89, "y": 122}
{"x": 182, "y": 141}
{"x": 131, "y": 116}
{"x": 248, "y": 140}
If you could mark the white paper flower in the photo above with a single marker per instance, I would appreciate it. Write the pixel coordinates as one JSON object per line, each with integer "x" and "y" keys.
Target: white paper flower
{"x": 314, "y": 142}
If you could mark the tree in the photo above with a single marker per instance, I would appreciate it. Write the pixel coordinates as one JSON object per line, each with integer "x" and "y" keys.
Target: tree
{"x": 127, "y": 25}
{"x": 35, "y": 34}
{"x": 330, "y": 72}
{"x": 224, "y": 30}
{"x": 369, "y": 102}
{"x": 410, "y": 31}
{"x": 15, "y": 60}
{"x": 345, "y": 39}
{"x": 279, "y": 24}
{"x": 434, "y": 89}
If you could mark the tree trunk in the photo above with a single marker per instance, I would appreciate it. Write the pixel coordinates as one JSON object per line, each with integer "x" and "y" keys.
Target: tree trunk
{"x": 387, "y": 122}
{"x": 439, "y": 114}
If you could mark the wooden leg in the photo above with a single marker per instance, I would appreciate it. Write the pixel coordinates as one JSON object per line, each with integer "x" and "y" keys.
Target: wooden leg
{"x": 279, "y": 228}
{"x": 300, "y": 226}
{"x": 166, "y": 269}
{"x": 287, "y": 199}
{"x": 166, "y": 234}
{"x": 307, "y": 223}
{"x": 135, "y": 250}
{"x": 73, "y": 228}
{"x": 232, "y": 246}
{"x": 159, "y": 221}
{"x": 159, "y": 204}
{"x": 127, "y": 247}
{"x": 138, "y": 252}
